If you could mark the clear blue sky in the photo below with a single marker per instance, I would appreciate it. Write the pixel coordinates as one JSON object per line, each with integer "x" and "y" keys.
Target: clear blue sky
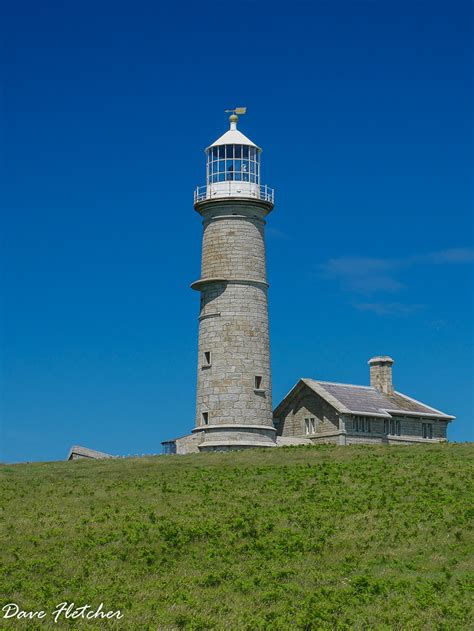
{"x": 364, "y": 112}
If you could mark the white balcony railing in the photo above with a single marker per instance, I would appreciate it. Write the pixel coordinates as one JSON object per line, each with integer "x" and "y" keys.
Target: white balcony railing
{"x": 257, "y": 191}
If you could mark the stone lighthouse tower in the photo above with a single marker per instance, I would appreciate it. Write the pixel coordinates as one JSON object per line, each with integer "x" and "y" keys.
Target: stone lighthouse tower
{"x": 234, "y": 390}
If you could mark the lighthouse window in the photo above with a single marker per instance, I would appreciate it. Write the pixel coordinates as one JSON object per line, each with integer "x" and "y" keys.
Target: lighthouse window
{"x": 233, "y": 162}
{"x": 258, "y": 382}
{"x": 205, "y": 418}
{"x": 206, "y": 359}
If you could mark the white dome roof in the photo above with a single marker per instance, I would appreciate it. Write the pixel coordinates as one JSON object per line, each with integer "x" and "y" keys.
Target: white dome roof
{"x": 233, "y": 137}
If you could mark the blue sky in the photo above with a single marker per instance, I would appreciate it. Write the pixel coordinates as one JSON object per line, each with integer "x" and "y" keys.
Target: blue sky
{"x": 364, "y": 112}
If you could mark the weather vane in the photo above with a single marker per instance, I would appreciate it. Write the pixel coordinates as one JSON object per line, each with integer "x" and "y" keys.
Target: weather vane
{"x": 237, "y": 110}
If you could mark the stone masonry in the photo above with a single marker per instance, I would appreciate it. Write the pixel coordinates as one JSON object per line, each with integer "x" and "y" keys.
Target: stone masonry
{"x": 234, "y": 400}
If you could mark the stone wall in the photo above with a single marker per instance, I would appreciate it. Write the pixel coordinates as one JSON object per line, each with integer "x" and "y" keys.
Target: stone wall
{"x": 410, "y": 427}
{"x": 233, "y": 245}
{"x": 188, "y": 444}
{"x": 308, "y": 405}
{"x": 236, "y": 335}
{"x": 234, "y": 380}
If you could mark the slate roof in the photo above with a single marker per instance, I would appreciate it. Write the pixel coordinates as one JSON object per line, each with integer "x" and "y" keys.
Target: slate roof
{"x": 350, "y": 399}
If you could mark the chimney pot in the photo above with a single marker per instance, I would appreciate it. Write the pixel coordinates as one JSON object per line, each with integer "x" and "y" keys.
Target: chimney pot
{"x": 381, "y": 373}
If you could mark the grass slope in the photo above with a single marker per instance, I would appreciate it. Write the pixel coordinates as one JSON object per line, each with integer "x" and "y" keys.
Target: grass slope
{"x": 292, "y": 538}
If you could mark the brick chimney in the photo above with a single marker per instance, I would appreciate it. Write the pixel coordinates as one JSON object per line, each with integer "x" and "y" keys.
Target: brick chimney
{"x": 381, "y": 373}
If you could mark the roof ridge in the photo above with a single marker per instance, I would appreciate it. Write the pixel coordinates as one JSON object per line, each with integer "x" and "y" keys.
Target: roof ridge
{"x": 338, "y": 383}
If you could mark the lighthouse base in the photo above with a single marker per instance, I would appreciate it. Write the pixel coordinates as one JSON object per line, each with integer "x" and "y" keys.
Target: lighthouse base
{"x": 232, "y": 437}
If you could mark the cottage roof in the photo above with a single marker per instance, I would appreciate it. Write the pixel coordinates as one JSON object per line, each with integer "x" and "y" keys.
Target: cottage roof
{"x": 366, "y": 400}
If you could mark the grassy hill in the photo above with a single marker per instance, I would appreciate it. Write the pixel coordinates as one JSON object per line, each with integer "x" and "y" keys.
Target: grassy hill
{"x": 291, "y": 538}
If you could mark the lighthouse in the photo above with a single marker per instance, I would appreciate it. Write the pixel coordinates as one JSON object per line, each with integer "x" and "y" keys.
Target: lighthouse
{"x": 234, "y": 388}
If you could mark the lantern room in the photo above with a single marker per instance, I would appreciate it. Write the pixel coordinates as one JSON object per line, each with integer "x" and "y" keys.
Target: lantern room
{"x": 233, "y": 168}
{"x": 228, "y": 163}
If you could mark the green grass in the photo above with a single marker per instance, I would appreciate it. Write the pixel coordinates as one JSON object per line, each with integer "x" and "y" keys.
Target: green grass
{"x": 291, "y": 538}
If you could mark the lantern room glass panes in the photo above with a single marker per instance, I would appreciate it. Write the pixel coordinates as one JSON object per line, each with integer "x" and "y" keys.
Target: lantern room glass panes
{"x": 233, "y": 163}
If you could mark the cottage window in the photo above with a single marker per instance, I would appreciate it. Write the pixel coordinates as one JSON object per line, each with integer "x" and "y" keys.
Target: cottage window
{"x": 361, "y": 424}
{"x": 312, "y": 426}
{"x": 398, "y": 428}
{"x": 386, "y": 426}
{"x": 427, "y": 430}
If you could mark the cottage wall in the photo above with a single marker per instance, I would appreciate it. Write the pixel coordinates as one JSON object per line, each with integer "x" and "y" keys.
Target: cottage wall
{"x": 307, "y": 405}
{"x": 410, "y": 430}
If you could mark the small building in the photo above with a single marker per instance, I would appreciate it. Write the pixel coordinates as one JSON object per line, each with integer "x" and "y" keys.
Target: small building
{"x": 76, "y": 452}
{"x": 188, "y": 444}
{"x": 344, "y": 414}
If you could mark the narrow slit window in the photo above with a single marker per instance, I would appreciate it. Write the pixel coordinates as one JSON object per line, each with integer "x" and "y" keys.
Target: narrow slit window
{"x": 207, "y": 359}
{"x": 205, "y": 418}
{"x": 258, "y": 382}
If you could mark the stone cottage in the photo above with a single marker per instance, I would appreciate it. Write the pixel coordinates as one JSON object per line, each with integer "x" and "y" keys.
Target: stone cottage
{"x": 344, "y": 414}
